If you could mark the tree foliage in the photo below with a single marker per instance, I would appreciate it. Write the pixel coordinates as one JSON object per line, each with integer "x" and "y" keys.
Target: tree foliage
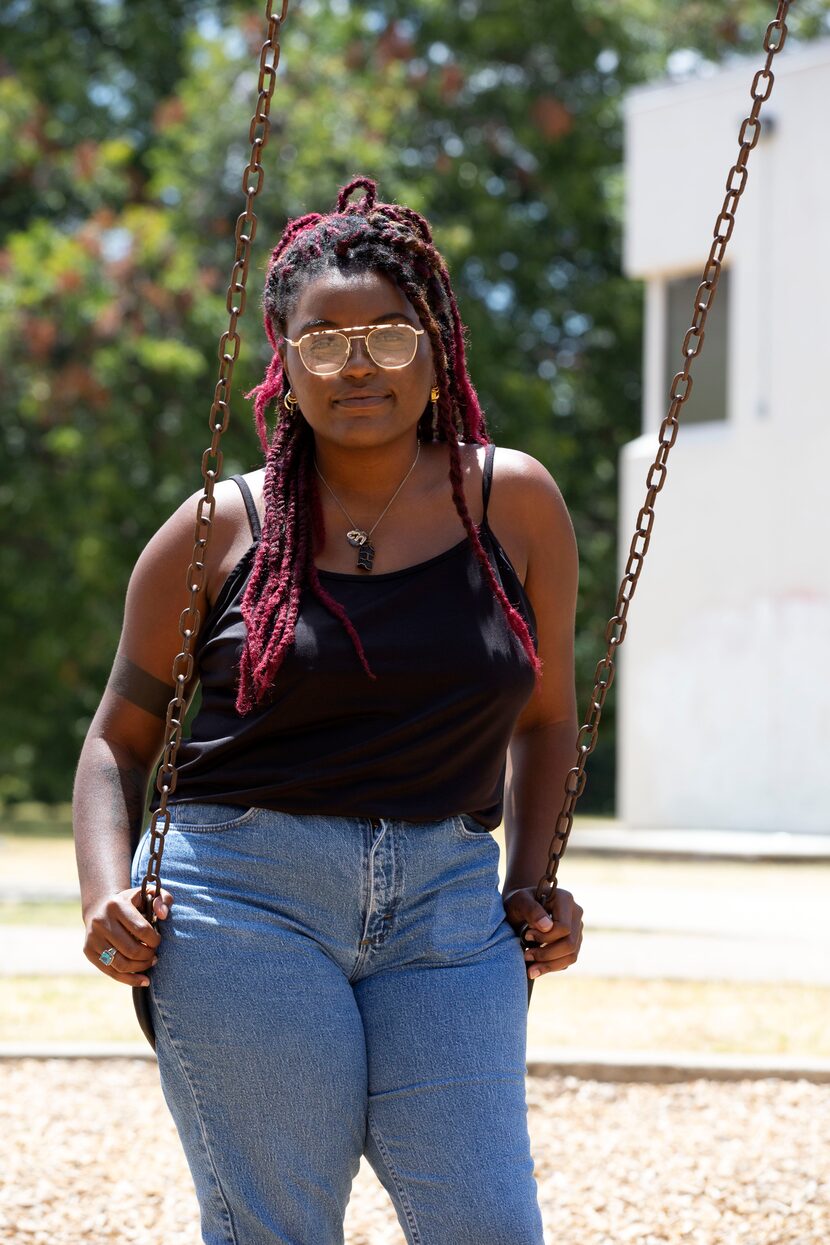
{"x": 123, "y": 137}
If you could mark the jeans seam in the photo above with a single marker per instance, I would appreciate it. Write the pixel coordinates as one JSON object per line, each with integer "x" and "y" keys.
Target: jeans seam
{"x": 137, "y": 854}
{"x": 205, "y": 827}
{"x": 417, "y": 1239}
{"x": 234, "y": 1239}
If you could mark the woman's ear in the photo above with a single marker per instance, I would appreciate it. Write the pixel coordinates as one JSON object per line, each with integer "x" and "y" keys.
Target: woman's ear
{"x": 281, "y": 353}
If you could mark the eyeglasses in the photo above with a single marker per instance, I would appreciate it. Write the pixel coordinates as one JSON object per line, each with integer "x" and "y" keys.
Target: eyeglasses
{"x": 326, "y": 351}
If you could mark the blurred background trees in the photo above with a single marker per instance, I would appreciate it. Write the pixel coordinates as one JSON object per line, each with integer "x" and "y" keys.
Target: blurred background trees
{"x": 123, "y": 138}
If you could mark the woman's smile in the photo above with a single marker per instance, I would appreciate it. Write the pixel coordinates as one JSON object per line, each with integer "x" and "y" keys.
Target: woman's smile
{"x": 358, "y": 401}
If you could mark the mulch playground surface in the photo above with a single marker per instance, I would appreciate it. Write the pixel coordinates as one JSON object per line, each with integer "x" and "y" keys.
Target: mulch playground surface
{"x": 90, "y": 1154}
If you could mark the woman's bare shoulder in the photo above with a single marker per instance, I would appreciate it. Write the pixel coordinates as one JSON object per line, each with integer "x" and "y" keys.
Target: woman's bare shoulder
{"x": 168, "y": 552}
{"x": 526, "y": 510}
{"x": 524, "y": 484}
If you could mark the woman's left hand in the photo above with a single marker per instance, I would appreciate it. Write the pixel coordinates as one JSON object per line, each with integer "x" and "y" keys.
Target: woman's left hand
{"x": 558, "y": 940}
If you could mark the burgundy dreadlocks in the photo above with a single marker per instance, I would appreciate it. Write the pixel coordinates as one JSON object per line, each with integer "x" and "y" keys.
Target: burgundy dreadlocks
{"x": 395, "y": 241}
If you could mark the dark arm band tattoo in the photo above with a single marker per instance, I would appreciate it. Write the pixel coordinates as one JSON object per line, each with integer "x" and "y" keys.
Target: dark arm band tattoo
{"x": 141, "y": 688}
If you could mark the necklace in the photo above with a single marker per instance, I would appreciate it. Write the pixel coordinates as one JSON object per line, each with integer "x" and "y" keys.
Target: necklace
{"x": 356, "y": 536}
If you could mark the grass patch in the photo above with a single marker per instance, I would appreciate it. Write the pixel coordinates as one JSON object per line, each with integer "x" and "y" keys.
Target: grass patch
{"x": 67, "y": 1009}
{"x": 581, "y": 1013}
{"x": 52, "y": 913}
{"x": 37, "y": 820}
{"x": 43, "y": 862}
{"x": 704, "y": 1016}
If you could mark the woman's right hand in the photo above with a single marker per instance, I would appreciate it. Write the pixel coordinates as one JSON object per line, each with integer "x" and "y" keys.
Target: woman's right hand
{"x": 119, "y": 922}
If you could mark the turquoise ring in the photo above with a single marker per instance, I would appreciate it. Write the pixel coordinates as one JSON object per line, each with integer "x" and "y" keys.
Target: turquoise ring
{"x": 107, "y": 957}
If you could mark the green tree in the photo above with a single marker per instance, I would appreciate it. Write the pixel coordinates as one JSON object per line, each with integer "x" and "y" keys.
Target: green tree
{"x": 124, "y": 135}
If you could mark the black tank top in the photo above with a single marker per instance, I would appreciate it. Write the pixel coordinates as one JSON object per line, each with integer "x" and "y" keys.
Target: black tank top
{"x": 427, "y": 739}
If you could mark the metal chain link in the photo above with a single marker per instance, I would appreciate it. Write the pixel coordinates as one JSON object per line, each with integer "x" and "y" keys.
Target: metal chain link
{"x": 692, "y": 344}
{"x": 212, "y": 457}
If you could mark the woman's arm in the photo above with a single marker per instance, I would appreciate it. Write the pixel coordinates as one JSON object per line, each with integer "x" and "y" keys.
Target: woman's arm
{"x": 127, "y": 734}
{"x": 543, "y": 746}
{"x": 123, "y": 743}
{"x": 107, "y": 810}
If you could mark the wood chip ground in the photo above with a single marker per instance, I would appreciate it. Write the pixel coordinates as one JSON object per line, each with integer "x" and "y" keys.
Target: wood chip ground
{"x": 89, "y": 1156}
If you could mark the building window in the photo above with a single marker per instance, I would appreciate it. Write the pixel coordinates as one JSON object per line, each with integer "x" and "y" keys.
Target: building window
{"x": 707, "y": 400}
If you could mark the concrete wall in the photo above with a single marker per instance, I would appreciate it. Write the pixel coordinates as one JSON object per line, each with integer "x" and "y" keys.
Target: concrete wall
{"x": 722, "y": 694}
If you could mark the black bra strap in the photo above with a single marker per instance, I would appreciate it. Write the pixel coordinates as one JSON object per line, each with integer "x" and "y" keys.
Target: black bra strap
{"x": 250, "y": 505}
{"x": 487, "y": 477}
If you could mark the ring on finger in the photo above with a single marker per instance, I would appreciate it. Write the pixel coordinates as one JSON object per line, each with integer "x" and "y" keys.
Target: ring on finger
{"x": 107, "y": 957}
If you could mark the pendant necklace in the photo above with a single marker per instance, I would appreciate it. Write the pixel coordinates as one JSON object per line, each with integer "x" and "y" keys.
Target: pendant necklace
{"x": 356, "y": 536}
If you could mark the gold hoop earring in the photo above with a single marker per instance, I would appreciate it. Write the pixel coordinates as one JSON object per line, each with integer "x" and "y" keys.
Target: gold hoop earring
{"x": 291, "y": 401}
{"x": 434, "y": 394}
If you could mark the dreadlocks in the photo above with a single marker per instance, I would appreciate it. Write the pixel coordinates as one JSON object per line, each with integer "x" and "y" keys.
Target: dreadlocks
{"x": 357, "y": 237}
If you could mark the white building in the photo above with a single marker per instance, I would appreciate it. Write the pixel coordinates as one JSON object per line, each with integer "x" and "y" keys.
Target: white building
{"x": 722, "y": 687}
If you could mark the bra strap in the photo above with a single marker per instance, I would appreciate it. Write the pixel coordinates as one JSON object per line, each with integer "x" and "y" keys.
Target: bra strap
{"x": 250, "y": 505}
{"x": 487, "y": 479}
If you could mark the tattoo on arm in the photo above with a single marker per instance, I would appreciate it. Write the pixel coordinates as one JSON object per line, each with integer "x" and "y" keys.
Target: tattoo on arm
{"x": 141, "y": 688}
{"x": 128, "y": 794}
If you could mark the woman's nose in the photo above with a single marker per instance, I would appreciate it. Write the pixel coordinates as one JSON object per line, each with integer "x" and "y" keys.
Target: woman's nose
{"x": 359, "y": 358}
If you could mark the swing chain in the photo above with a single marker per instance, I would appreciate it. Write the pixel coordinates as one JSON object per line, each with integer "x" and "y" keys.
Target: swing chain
{"x": 229, "y": 346}
{"x": 692, "y": 344}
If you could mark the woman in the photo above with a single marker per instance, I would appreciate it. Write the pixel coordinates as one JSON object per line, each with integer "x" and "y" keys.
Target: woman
{"x": 335, "y": 972}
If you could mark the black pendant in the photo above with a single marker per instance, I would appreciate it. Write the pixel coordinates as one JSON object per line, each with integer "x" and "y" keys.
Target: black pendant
{"x": 366, "y": 556}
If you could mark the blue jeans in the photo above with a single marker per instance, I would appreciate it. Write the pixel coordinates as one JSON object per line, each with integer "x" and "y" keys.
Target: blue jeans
{"x": 330, "y": 987}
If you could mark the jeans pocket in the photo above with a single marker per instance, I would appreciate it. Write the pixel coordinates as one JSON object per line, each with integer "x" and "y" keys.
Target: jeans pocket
{"x": 469, "y": 828}
{"x": 203, "y": 817}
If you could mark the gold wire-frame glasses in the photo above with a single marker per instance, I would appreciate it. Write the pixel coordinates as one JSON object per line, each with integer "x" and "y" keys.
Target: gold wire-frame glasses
{"x": 387, "y": 345}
